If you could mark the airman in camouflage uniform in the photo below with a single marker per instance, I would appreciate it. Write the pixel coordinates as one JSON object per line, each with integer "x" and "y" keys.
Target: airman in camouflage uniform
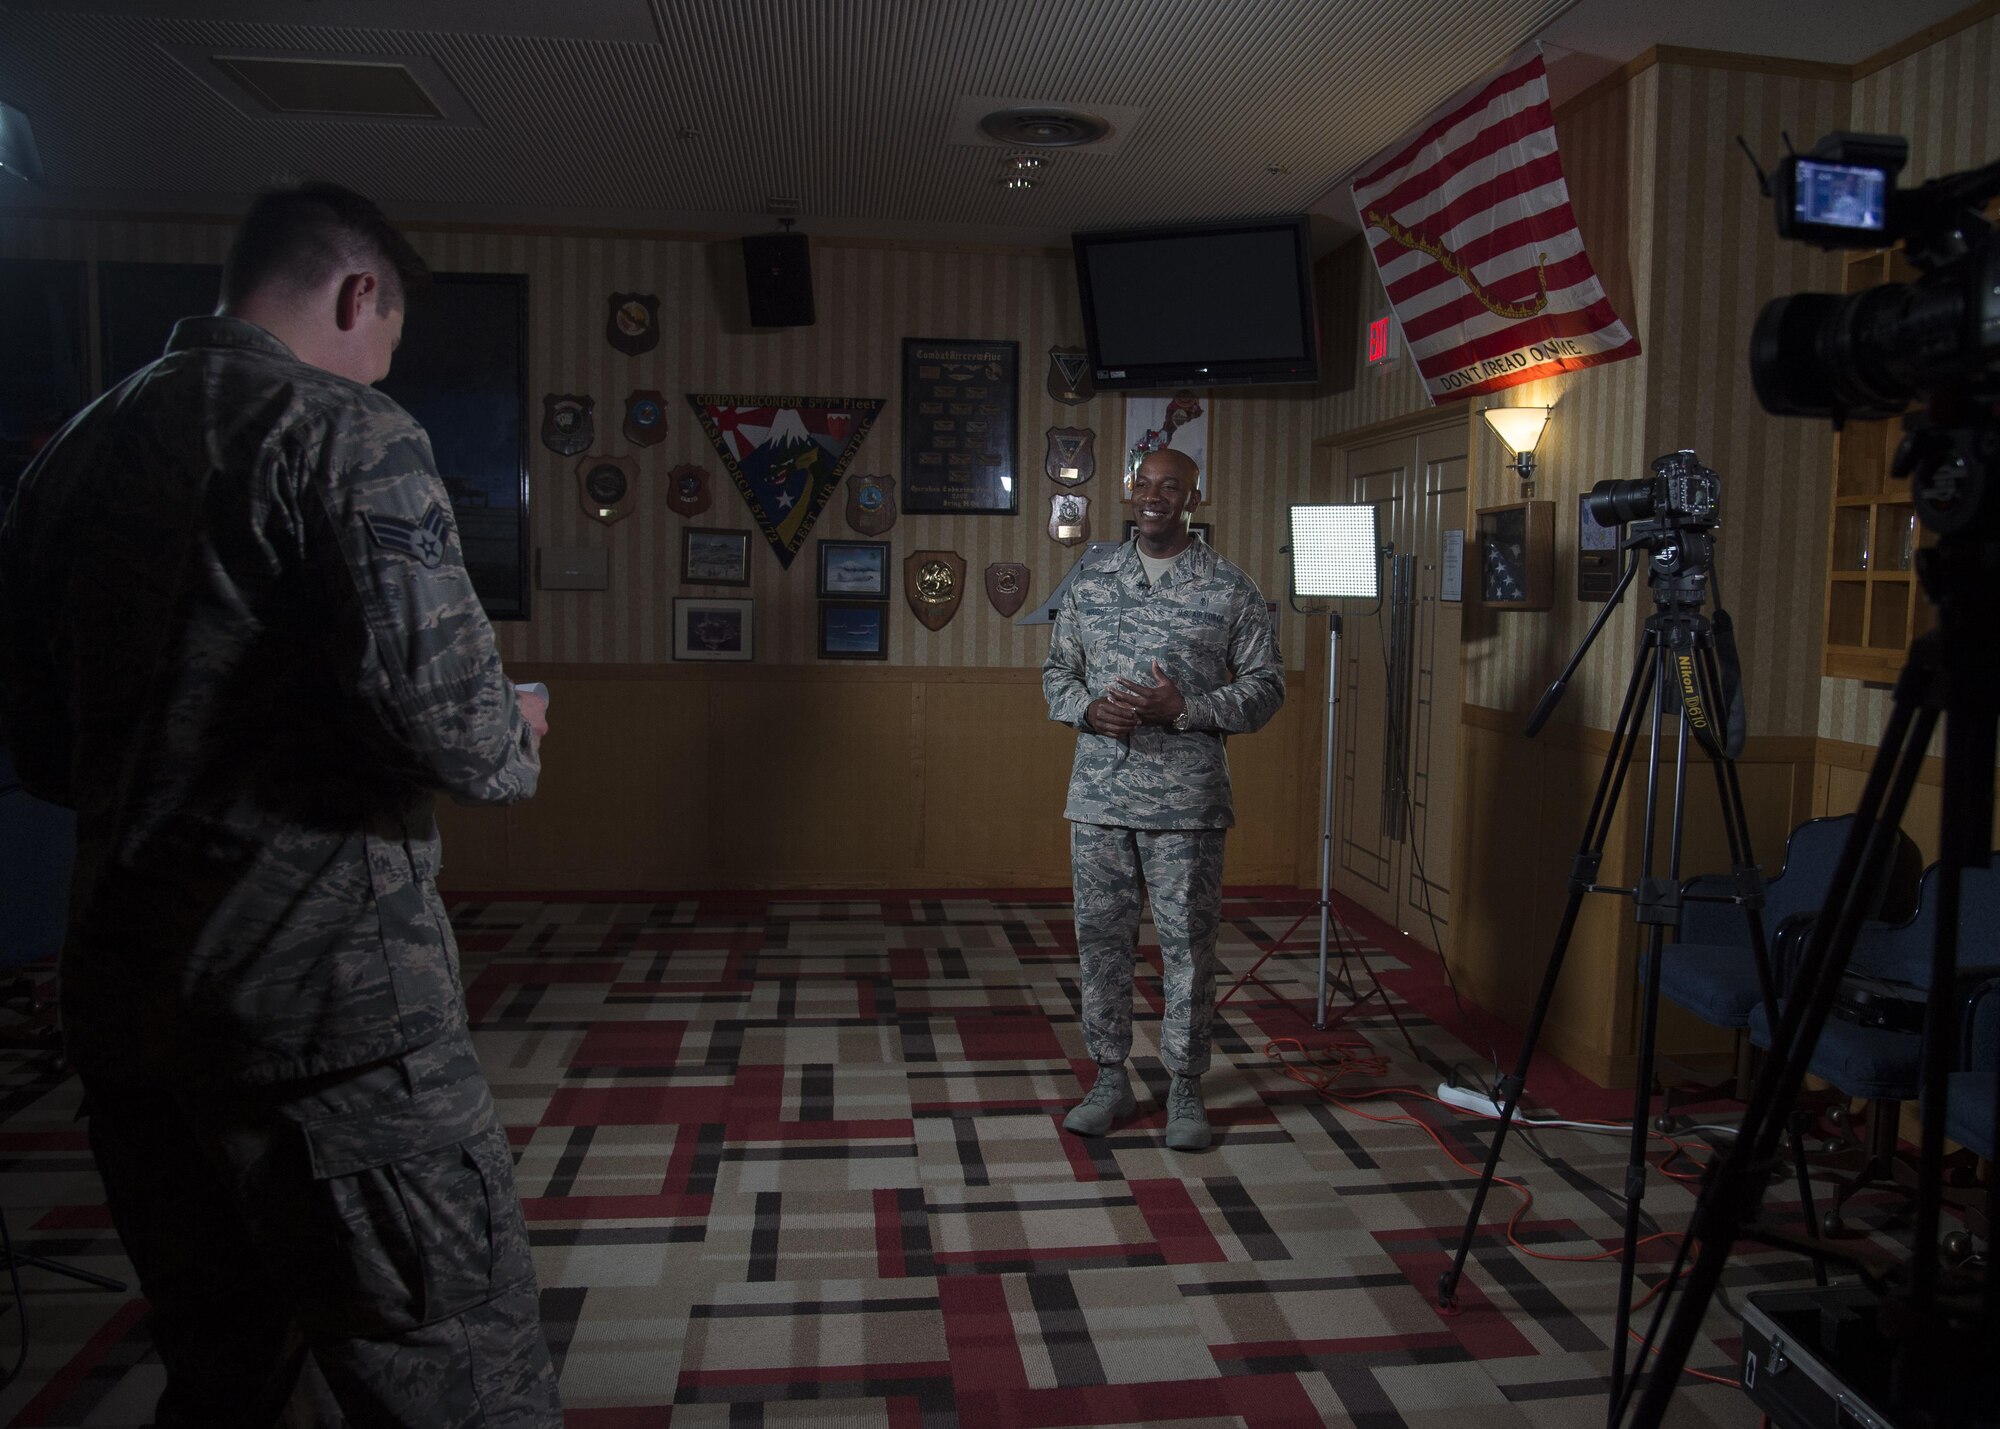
{"x": 1155, "y": 666}
{"x": 237, "y": 637}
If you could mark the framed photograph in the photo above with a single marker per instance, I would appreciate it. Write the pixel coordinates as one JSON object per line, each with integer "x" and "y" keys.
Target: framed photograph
{"x": 1599, "y": 562}
{"x": 853, "y": 630}
{"x": 713, "y": 628}
{"x": 462, "y": 371}
{"x": 1512, "y": 556}
{"x": 853, "y": 570}
{"x": 710, "y": 557}
{"x": 1200, "y": 530}
{"x": 960, "y": 454}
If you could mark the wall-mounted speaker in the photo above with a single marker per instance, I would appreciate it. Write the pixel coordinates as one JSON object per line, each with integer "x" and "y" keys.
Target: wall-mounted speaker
{"x": 777, "y": 275}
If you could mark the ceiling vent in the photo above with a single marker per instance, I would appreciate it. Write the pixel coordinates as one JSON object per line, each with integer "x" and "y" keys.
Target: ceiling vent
{"x": 327, "y": 86}
{"x": 1044, "y": 127}
{"x": 1041, "y": 124}
{"x": 344, "y": 88}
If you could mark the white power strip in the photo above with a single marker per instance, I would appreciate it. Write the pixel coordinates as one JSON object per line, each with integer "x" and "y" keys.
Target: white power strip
{"x": 1468, "y": 1099}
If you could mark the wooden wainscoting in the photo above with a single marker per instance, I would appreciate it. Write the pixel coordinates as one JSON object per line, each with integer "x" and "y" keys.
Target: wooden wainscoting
{"x": 1523, "y": 806}
{"x": 722, "y": 776}
{"x": 1843, "y": 770}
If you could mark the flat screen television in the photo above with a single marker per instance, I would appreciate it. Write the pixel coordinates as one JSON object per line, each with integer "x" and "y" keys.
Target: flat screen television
{"x": 462, "y": 372}
{"x": 1215, "y": 305}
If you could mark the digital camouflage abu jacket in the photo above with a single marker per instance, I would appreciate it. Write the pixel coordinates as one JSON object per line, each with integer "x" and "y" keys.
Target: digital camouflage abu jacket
{"x": 1206, "y": 624}
{"x": 237, "y": 637}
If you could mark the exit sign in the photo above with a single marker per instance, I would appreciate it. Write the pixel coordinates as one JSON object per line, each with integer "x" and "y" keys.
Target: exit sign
{"x": 1382, "y": 341}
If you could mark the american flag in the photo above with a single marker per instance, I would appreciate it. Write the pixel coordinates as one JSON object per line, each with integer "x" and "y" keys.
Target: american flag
{"x": 1473, "y": 235}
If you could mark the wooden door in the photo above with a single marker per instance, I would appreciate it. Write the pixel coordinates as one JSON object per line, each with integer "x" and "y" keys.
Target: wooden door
{"x": 1397, "y": 722}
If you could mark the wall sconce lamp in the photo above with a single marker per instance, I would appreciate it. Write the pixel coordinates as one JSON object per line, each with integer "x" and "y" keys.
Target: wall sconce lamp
{"x": 1520, "y": 428}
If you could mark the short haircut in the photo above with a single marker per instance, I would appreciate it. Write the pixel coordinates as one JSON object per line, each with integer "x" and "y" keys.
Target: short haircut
{"x": 1190, "y": 467}
{"x": 301, "y": 235}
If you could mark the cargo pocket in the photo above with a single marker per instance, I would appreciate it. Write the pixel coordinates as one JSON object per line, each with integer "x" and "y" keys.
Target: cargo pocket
{"x": 413, "y": 1195}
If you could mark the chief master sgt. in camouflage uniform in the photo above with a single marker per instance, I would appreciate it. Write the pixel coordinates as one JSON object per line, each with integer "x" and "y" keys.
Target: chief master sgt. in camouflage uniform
{"x": 237, "y": 637}
{"x": 1159, "y": 651}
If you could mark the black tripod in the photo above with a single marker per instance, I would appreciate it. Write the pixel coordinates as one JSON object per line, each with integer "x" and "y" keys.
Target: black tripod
{"x": 1941, "y": 1324}
{"x": 1677, "y": 675}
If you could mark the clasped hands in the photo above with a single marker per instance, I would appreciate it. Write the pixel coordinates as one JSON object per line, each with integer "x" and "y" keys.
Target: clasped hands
{"x": 1129, "y": 704}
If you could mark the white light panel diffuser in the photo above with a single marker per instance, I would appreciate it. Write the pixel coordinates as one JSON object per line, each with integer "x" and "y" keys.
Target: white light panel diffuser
{"x": 1335, "y": 553}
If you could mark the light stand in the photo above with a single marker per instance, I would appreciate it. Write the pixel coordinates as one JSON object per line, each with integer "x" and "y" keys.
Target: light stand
{"x": 1335, "y": 556}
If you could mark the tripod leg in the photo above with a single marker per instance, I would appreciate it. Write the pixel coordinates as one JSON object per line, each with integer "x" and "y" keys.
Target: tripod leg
{"x": 1657, "y": 908}
{"x": 1583, "y": 876}
{"x": 1964, "y": 823}
{"x": 1729, "y": 790}
{"x": 1736, "y": 1181}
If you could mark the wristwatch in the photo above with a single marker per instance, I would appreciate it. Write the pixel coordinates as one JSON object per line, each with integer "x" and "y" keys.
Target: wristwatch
{"x": 1181, "y": 721}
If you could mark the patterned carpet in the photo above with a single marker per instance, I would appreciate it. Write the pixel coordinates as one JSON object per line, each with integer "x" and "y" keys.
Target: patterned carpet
{"x": 798, "y": 1163}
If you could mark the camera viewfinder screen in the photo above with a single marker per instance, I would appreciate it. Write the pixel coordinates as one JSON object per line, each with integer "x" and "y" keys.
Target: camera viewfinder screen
{"x": 1840, "y": 195}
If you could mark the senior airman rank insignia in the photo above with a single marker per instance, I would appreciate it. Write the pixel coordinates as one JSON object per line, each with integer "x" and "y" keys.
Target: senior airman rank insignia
{"x": 645, "y": 418}
{"x": 1069, "y": 375}
{"x": 567, "y": 427}
{"x": 1072, "y": 455}
{"x": 423, "y": 540}
{"x": 633, "y": 324}
{"x": 934, "y": 583}
{"x": 1069, "y": 518}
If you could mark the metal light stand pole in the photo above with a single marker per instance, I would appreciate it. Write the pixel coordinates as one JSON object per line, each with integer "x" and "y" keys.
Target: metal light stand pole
{"x": 1326, "y": 813}
{"x": 1329, "y": 926}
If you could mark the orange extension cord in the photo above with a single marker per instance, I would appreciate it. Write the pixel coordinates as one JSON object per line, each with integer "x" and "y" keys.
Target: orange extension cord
{"x": 1324, "y": 1071}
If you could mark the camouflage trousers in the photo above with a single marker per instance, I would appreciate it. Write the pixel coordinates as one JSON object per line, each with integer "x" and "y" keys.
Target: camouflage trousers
{"x": 368, "y": 1218}
{"x": 1180, "y": 872}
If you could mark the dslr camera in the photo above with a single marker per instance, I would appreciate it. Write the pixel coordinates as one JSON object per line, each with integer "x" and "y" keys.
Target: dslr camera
{"x": 1680, "y": 493}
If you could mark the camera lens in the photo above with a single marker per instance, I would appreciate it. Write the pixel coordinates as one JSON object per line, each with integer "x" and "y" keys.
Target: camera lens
{"x": 1613, "y": 503}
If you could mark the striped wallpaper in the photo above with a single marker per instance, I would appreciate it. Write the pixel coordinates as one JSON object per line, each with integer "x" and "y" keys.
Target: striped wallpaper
{"x": 1946, "y": 100}
{"x": 1717, "y": 263}
{"x": 869, "y": 297}
{"x": 1673, "y": 222}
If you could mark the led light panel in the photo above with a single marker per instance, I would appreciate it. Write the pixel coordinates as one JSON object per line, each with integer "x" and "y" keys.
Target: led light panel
{"x": 1335, "y": 553}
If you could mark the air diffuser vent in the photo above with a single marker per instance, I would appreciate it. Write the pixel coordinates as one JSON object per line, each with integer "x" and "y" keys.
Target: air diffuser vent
{"x": 1044, "y": 127}
{"x": 329, "y": 86}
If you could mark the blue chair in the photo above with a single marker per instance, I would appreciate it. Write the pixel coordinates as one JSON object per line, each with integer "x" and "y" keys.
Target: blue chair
{"x": 1710, "y": 968}
{"x": 1884, "y": 1064}
{"x": 1968, "y": 1116}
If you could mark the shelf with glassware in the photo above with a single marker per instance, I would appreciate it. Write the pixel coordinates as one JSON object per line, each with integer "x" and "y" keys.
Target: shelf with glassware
{"x": 1874, "y": 608}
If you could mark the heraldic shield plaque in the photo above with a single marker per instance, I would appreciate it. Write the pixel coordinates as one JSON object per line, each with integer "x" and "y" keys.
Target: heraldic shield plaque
{"x": 567, "y": 427}
{"x": 934, "y": 583}
{"x": 633, "y": 324}
{"x": 608, "y": 487}
{"x": 871, "y": 504}
{"x": 1006, "y": 585}
{"x": 1071, "y": 459}
{"x": 1069, "y": 517}
{"x": 645, "y": 417}
{"x": 687, "y": 490}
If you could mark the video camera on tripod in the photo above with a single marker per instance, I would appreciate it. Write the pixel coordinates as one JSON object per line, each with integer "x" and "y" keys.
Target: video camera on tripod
{"x": 1928, "y": 1329}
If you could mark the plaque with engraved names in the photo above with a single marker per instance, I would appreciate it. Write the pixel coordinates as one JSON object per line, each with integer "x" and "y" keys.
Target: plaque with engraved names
{"x": 960, "y": 410}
